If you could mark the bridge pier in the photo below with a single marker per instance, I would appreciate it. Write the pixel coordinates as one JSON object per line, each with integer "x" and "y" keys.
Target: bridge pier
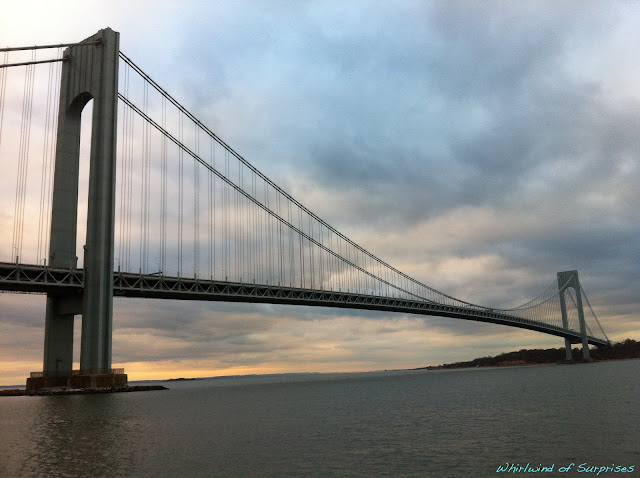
{"x": 90, "y": 71}
{"x": 58, "y": 340}
{"x": 568, "y": 279}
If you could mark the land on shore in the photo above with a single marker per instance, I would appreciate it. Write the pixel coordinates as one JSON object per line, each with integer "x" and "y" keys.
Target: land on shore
{"x": 627, "y": 349}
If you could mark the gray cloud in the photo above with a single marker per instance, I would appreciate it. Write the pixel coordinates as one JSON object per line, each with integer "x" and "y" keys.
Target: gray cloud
{"x": 480, "y": 147}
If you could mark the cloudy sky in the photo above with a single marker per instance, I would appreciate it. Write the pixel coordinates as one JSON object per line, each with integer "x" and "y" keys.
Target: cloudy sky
{"x": 480, "y": 147}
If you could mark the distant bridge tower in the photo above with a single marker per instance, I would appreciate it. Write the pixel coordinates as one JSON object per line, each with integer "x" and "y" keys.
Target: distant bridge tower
{"x": 565, "y": 280}
{"x": 89, "y": 72}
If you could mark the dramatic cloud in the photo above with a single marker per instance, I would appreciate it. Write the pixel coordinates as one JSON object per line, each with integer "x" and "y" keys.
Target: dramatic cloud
{"x": 480, "y": 147}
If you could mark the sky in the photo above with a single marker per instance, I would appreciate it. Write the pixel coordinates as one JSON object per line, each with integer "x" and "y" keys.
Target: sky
{"x": 479, "y": 147}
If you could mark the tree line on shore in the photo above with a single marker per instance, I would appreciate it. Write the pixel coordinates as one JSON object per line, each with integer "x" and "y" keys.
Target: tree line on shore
{"x": 626, "y": 349}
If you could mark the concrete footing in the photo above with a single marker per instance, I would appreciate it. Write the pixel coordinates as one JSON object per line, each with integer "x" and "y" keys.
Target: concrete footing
{"x": 38, "y": 382}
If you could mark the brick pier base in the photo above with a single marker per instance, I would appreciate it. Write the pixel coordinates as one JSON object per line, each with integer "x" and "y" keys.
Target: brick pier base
{"x": 94, "y": 381}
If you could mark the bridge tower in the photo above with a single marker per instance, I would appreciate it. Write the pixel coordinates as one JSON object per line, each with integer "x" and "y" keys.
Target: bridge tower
{"x": 565, "y": 280}
{"x": 89, "y": 71}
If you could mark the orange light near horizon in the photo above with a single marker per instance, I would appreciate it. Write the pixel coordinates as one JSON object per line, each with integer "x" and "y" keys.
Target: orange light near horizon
{"x": 168, "y": 369}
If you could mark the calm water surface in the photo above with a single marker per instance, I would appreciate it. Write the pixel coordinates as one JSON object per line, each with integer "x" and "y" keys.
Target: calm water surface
{"x": 426, "y": 423}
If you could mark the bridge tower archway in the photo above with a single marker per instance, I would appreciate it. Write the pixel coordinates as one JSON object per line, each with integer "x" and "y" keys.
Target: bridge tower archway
{"x": 89, "y": 71}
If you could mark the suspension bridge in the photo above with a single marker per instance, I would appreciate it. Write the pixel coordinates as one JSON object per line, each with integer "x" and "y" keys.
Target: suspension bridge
{"x": 173, "y": 212}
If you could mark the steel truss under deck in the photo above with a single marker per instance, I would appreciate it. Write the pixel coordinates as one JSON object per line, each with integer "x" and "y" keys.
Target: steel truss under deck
{"x": 26, "y": 278}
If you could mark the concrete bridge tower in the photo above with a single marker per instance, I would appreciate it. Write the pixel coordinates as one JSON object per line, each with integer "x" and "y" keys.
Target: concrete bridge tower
{"x": 89, "y": 72}
{"x": 565, "y": 280}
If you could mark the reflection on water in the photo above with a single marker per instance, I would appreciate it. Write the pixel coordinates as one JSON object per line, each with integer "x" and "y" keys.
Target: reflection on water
{"x": 83, "y": 435}
{"x": 441, "y": 423}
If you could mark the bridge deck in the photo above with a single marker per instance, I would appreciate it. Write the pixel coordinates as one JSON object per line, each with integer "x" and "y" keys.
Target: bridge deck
{"x": 41, "y": 279}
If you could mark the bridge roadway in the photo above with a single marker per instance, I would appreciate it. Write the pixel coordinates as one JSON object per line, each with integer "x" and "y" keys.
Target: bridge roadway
{"x": 26, "y": 278}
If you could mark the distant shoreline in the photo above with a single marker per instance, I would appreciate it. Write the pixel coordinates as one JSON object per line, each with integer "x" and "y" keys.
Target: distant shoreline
{"x": 625, "y": 350}
{"x": 628, "y": 349}
{"x": 456, "y": 366}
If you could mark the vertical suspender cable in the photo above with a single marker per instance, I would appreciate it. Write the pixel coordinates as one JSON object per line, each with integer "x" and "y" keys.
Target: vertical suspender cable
{"x": 23, "y": 160}
{"x": 196, "y": 205}
{"x": 147, "y": 198}
{"x": 225, "y": 219}
{"x": 3, "y": 89}
{"x": 213, "y": 225}
{"x": 291, "y": 251}
{"x": 257, "y": 239}
{"x": 180, "y": 191}
{"x": 263, "y": 245}
{"x": 311, "y": 248}
{"x": 322, "y": 256}
{"x": 234, "y": 234}
{"x": 301, "y": 243}
{"x": 280, "y": 245}
{"x": 129, "y": 187}
{"x": 143, "y": 176}
{"x": 331, "y": 263}
{"x": 211, "y": 211}
{"x": 122, "y": 168}
{"x": 239, "y": 222}
{"x": 130, "y": 160}
{"x": 268, "y": 233}
{"x": 143, "y": 191}
{"x": 163, "y": 191}
{"x": 48, "y": 136}
{"x": 257, "y": 244}
{"x": 52, "y": 150}
{"x": 254, "y": 232}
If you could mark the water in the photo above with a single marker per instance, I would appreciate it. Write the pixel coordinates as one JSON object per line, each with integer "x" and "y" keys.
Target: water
{"x": 424, "y": 423}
